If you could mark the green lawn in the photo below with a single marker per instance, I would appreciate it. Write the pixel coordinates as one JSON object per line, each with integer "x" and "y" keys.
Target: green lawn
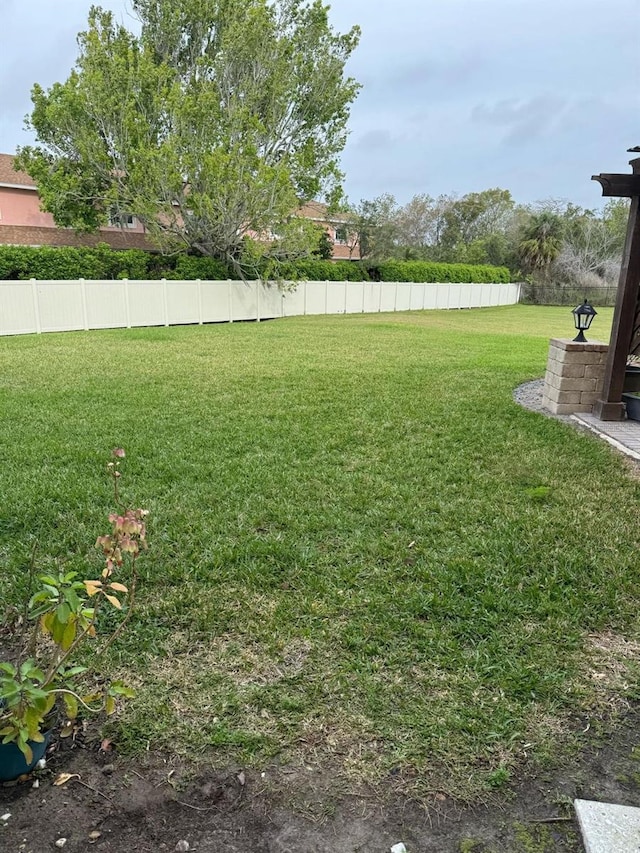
{"x": 361, "y": 549}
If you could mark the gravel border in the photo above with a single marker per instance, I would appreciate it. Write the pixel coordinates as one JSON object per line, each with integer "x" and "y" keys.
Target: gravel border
{"x": 529, "y": 396}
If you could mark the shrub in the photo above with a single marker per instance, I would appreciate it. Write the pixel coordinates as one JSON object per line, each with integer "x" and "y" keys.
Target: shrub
{"x": 426, "y": 271}
{"x": 320, "y": 270}
{"x": 190, "y": 267}
{"x": 102, "y": 262}
{"x": 63, "y": 263}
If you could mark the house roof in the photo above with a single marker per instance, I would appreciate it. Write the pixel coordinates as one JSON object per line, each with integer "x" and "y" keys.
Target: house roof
{"x": 9, "y": 176}
{"x": 318, "y": 211}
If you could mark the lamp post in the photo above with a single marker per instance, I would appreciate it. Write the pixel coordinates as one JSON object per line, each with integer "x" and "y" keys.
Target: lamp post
{"x": 582, "y": 317}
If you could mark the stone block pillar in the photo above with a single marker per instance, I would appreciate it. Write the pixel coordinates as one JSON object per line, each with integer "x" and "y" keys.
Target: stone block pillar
{"x": 575, "y": 375}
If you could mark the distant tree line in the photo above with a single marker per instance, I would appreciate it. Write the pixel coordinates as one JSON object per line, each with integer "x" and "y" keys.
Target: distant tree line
{"x": 553, "y": 245}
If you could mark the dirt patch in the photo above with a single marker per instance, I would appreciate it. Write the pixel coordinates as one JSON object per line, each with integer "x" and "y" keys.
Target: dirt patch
{"x": 117, "y": 805}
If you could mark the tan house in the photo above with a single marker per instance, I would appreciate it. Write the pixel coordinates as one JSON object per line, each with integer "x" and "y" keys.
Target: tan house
{"x": 339, "y": 227}
{"x": 23, "y": 223}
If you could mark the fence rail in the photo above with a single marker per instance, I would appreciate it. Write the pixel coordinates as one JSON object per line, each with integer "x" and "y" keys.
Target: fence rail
{"x": 58, "y": 306}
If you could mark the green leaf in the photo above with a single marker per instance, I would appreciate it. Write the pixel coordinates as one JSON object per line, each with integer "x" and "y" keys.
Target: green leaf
{"x": 74, "y": 670}
{"x": 69, "y": 634}
{"x": 71, "y": 705}
{"x": 24, "y": 747}
{"x": 71, "y": 597}
{"x": 120, "y": 689}
{"x": 63, "y": 611}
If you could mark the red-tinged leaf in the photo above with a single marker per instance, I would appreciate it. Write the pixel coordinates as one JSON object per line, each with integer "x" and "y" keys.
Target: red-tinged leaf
{"x": 114, "y": 601}
{"x": 118, "y": 452}
{"x": 105, "y": 746}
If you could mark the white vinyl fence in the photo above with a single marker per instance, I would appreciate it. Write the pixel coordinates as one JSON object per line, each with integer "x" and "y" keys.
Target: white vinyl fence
{"x": 58, "y": 306}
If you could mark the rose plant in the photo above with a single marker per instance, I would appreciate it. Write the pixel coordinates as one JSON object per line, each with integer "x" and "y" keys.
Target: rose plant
{"x": 62, "y": 619}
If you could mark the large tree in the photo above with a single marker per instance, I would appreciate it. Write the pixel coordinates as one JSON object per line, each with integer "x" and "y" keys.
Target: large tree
{"x": 211, "y": 126}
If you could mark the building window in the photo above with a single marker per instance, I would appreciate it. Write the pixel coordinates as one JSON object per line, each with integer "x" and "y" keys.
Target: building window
{"x": 121, "y": 220}
{"x": 341, "y": 234}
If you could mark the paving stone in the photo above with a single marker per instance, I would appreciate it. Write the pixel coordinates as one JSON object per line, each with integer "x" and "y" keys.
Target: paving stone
{"x": 608, "y": 828}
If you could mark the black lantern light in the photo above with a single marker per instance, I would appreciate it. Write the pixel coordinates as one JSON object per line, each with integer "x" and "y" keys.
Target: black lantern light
{"x": 582, "y": 317}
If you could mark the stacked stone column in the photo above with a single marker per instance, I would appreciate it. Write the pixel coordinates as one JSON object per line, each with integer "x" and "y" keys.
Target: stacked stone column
{"x": 575, "y": 376}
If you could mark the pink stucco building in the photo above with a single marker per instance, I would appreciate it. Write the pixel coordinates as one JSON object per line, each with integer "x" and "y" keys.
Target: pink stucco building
{"x": 22, "y": 223}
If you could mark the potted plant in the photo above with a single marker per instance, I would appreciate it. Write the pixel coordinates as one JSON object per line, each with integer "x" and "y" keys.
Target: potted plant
{"x": 44, "y": 679}
{"x": 632, "y": 405}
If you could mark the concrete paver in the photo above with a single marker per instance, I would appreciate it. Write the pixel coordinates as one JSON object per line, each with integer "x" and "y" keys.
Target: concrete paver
{"x": 624, "y": 435}
{"x": 608, "y": 828}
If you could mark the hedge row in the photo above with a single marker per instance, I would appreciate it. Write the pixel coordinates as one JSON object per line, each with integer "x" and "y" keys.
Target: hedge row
{"x": 24, "y": 262}
{"x": 434, "y": 272}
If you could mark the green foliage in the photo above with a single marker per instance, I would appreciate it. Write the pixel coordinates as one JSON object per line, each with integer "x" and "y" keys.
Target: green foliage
{"x": 62, "y": 263}
{"x": 22, "y": 262}
{"x": 325, "y": 246}
{"x": 541, "y": 241}
{"x": 62, "y": 615}
{"x": 424, "y": 271}
{"x": 319, "y": 270}
{"x": 377, "y": 227}
{"x": 210, "y": 126}
{"x": 189, "y": 267}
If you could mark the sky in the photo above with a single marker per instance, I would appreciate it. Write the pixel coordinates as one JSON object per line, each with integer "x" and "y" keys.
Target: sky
{"x": 533, "y": 96}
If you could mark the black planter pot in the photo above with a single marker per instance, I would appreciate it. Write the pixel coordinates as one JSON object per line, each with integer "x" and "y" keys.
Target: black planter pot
{"x": 13, "y": 764}
{"x": 632, "y": 404}
{"x": 632, "y": 378}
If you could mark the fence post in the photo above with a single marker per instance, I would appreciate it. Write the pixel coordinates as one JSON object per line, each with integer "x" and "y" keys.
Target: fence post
{"x": 199, "y": 286}
{"x": 395, "y": 298}
{"x": 83, "y": 298}
{"x": 165, "y": 302}
{"x": 326, "y": 297}
{"x": 230, "y": 300}
{"x": 258, "y": 286}
{"x": 36, "y": 305}
{"x": 127, "y": 307}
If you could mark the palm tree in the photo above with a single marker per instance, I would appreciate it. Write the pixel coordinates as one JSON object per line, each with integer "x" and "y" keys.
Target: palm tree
{"x": 541, "y": 242}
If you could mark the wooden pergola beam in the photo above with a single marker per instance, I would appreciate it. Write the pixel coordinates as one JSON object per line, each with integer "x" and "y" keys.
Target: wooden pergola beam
{"x": 610, "y": 407}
